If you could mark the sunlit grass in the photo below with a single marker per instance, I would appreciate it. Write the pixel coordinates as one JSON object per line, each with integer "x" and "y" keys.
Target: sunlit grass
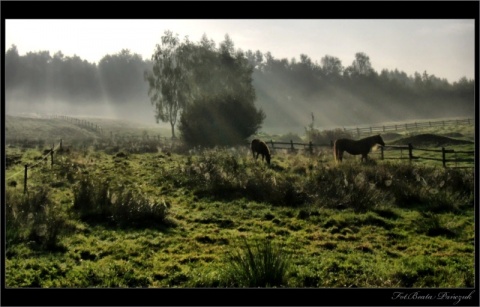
{"x": 381, "y": 224}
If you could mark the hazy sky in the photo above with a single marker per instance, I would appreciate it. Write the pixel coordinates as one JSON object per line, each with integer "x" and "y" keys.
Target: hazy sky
{"x": 442, "y": 47}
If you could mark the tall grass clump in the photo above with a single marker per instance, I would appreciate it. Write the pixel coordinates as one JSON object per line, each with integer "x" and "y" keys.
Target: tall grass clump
{"x": 344, "y": 187}
{"x": 91, "y": 198}
{"x": 257, "y": 264}
{"x": 224, "y": 174}
{"x": 34, "y": 216}
{"x": 97, "y": 201}
{"x": 435, "y": 189}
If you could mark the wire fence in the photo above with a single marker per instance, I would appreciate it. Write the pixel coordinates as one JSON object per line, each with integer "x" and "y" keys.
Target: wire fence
{"x": 42, "y": 159}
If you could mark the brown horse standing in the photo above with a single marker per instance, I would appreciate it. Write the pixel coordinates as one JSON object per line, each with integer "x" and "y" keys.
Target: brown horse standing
{"x": 360, "y": 147}
{"x": 260, "y": 147}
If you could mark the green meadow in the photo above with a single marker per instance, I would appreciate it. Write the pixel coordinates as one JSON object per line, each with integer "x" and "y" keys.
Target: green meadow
{"x": 109, "y": 216}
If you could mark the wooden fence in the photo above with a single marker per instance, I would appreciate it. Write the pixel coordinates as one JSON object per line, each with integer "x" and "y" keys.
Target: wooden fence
{"x": 358, "y": 132}
{"x": 80, "y": 122}
{"x": 46, "y": 153}
{"x": 309, "y": 147}
{"x": 410, "y": 148}
{"x": 444, "y": 154}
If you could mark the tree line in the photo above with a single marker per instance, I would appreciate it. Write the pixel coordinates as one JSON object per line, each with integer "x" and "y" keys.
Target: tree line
{"x": 39, "y": 76}
{"x": 221, "y": 80}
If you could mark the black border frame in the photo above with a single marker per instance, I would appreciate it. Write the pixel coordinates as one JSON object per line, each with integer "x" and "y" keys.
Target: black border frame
{"x": 240, "y": 10}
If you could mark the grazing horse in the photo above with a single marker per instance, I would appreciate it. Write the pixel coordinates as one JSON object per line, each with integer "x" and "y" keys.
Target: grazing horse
{"x": 260, "y": 147}
{"x": 360, "y": 147}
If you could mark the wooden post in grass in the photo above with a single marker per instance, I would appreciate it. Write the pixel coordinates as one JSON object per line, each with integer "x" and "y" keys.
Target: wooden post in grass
{"x": 25, "y": 180}
{"x": 310, "y": 147}
{"x": 410, "y": 151}
{"x": 291, "y": 145}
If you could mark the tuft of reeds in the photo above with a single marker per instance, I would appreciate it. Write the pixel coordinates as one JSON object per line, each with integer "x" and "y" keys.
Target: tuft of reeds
{"x": 259, "y": 263}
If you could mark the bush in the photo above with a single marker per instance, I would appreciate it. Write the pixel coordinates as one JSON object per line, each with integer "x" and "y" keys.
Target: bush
{"x": 325, "y": 137}
{"x": 209, "y": 121}
{"x": 257, "y": 264}
{"x": 97, "y": 201}
{"x": 91, "y": 198}
{"x": 34, "y": 216}
{"x": 223, "y": 175}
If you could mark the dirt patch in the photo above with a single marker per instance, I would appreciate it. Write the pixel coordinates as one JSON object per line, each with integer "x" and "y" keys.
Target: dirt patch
{"x": 430, "y": 140}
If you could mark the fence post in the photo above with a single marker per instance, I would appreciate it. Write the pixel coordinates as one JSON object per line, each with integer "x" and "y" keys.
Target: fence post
{"x": 410, "y": 151}
{"x": 310, "y": 145}
{"x": 25, "y": 180}
{"x": 291, "y": 145}
{"x": 443, "y": 157}
{"x": 273, "y": 147}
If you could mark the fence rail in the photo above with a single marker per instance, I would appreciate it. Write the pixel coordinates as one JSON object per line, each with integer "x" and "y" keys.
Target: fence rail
{"x": 31, "y": 166}
{"x": 359, "y": 131}
{"x": 309, "y": 147}
{"x": 443, "y": 151}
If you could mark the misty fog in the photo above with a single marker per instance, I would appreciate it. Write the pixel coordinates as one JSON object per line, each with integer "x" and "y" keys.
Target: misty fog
{"x": 287, "y": 91}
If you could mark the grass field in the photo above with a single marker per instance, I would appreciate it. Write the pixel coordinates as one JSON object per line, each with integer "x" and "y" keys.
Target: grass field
{"x": 217, "y": 218}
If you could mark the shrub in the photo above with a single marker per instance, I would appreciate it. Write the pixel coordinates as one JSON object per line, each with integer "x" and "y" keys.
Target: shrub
{"x": 91, "y": 198}
{"x": 34, "y": 216}
{"x": 257, "y": 264}
{"x": 326, "y": 137}
{"x": 97, "y": 201}
{"x": 133, "y": 208}
{"x": 209, "y": 121}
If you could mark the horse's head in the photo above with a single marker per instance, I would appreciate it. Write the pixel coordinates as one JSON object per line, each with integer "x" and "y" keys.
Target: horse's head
{"x": 380, "y": 140}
